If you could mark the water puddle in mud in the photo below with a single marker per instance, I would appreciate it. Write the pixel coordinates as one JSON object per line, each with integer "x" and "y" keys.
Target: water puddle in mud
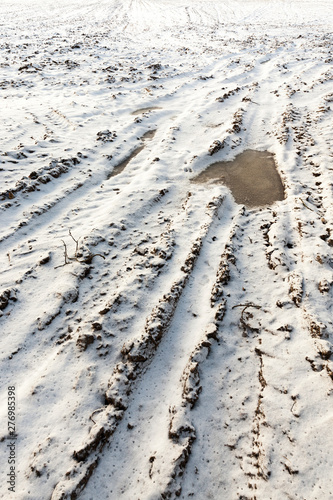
{"x": 252, "y": 178}
{"x": 144, "y": 110}
{"x": 147, "y": 136}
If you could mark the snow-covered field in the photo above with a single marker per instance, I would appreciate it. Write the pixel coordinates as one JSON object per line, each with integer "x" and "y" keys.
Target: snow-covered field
{"x": 163, "y": 340}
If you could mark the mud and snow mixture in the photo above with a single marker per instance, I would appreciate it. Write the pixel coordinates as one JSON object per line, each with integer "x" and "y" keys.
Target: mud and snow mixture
{"x": 160, "y": 336}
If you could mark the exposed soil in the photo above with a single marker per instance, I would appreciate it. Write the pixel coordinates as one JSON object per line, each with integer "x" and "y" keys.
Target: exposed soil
{"x": 145, "y": 110}
{"x": 122, "y": 165}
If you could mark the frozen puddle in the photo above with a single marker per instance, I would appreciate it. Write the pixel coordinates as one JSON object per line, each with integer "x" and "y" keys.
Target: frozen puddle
{"x": 251, "y": 177}
{"x": 122, "y": 165}
{"x": 145, "y": 110}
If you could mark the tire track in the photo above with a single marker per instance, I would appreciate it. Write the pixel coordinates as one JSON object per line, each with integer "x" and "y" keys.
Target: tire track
{"x": 77, "y": 321}
{"x": 136, "y": 356}
{"x": 260, "y": 328}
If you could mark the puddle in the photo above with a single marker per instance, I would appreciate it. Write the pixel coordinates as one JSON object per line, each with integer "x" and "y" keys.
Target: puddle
{"x": 147, "y": 136}
{"x": 144, "y": 110}
{"x": 251, "y": 177}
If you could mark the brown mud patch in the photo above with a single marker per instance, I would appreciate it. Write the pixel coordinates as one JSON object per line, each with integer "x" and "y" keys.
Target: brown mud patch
{"x": 252, "y": 178}
{"x": 147, "y": 136}
{"x": 144, "y": 110}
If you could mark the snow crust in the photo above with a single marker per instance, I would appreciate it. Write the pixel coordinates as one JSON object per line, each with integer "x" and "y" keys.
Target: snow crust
{"x": 164, "y": 341}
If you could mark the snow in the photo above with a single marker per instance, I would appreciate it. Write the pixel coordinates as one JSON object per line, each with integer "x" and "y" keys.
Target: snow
{"x": 164, "y": 341}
